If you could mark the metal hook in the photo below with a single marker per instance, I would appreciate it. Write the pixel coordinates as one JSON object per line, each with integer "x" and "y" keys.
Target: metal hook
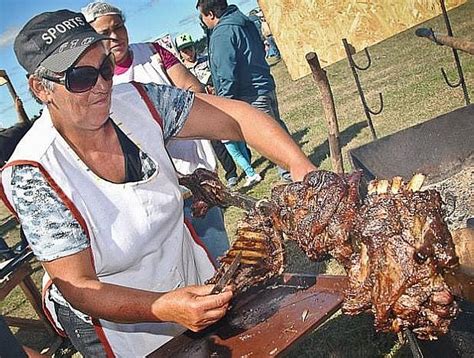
{"x": 350, "y": 50}
{"x": 446, "y": 79}
{"x": 381, "y": 106}
{"x": 457, "y": 61}
{"x": 369, "y": 61}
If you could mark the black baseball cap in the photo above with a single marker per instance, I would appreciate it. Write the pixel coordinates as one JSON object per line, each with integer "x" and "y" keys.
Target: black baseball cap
{"x": 54, "y": 40}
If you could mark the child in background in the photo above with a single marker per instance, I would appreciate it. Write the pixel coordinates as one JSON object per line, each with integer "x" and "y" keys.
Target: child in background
{"x": 239, "y": 152}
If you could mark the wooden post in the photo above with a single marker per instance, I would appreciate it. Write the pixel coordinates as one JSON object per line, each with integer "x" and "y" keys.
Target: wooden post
{"x": 11, "y": 89}
{"x": 327, "y": 100}
{"x": 21, "y": 276}
{"x": 14, "y": 95}
{"x": 456, "y": 43}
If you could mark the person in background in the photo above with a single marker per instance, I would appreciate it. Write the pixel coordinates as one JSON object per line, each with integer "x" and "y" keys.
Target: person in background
{"x": 151, "y": 63}
{"x": 240, "y": 153}
{"x": 199, "y": 67}
{"x": 272, "y": 50}
{"x": 99, "y": 199}
{"x": 256, "y": 19}
{"x": 237, "y": 60}
{"x": 194, "y": 62}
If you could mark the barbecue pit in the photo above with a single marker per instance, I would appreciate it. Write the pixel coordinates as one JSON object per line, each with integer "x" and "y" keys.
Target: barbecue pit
{"x": 441, "y": 148}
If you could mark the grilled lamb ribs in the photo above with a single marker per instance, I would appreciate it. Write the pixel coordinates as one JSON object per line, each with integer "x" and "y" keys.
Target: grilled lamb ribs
{"x": 262, "y": 251}
{"x": 257, "y": 238}
{"x": 394, "y": 245}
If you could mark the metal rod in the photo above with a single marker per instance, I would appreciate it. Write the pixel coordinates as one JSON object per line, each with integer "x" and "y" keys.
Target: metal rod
{"x": 461, "y": 81}
{"x": 413, "y": 344}
{"x": 329, "y": 108}
{"x": 354, "y": 67}
{"x": 369, "y": 61}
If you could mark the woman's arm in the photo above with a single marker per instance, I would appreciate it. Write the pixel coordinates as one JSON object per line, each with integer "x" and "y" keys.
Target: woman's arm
{"x": 214, "y": 117}
{"x": 184, "y": 79}
{"x": 192, "y": 306}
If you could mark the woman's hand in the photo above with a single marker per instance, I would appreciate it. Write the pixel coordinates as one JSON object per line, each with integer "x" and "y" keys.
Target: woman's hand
{"x": 193, "y": 307}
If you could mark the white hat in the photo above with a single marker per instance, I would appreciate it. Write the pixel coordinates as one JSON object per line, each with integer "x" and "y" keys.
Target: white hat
{"x": 184, "y": 40}
{"x": 98, "y": 9}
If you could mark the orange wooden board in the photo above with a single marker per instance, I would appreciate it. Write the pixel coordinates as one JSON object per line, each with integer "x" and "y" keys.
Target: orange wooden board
{"x": 265, "y": 322}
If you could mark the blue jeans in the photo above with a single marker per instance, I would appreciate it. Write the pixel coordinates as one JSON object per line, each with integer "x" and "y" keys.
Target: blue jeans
{"x": 210, "y": 229}
{"x": 82, "y": 335}
{"x": 240, "y": 153}
{"x": 268, "y": 103}
{"x": 272, "y": 47}
{"x": 9, "y": 346}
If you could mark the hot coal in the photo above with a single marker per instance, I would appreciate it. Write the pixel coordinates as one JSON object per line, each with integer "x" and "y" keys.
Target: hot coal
{"x": 457, "y": 193}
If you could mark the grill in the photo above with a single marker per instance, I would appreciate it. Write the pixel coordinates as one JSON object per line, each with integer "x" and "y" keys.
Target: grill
{"x": 437, "y": 148}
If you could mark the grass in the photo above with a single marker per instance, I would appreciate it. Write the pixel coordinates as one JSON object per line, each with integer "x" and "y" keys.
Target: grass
{"x": 406, "y": 69}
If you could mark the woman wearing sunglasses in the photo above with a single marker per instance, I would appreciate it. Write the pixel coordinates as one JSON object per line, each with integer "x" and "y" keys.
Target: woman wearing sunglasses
{"x": 99, "y": 199}
{"x": 151, "y": 63}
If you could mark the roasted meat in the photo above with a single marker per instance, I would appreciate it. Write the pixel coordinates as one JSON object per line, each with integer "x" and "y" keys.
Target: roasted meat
{"x": 394, "y": 245}
{"x": 403, "y": 247}
{"x": 318, "y": 213}
{"x": 257, "y": 238}
{"x": 207, "y": 189}
{"x": 262, "y": 251}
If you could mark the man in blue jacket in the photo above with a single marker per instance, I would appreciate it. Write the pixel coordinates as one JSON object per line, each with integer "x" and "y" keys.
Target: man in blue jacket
{"x": 237, "y": 59}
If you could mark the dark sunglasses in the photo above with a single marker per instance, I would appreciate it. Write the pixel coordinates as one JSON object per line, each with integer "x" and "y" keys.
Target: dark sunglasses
{"x": 83, "y": 78}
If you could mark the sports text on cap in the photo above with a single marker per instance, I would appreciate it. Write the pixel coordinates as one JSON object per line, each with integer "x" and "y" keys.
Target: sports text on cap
{"x": 50, "y": 35}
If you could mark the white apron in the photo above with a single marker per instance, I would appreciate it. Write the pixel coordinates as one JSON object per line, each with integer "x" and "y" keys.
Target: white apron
{"x": 147, "y": 67}
{"x": 137, "y": 232}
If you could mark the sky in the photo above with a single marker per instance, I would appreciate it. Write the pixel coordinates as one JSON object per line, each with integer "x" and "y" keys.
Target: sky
{"x": 145, "y": 20}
